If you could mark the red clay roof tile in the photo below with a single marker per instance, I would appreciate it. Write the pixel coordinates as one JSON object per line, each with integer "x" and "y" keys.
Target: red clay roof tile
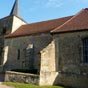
{"x": 39, "y": 27}
{"x": 77, "y": 22}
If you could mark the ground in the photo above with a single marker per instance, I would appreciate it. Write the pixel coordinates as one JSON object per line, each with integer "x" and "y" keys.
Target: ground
{"x": 22, "y": 85}
{"x": 4, "y": 86}
{"x": 1, "y": 80}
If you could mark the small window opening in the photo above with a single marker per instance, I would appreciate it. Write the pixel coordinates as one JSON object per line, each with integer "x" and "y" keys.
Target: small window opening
{"x": 18, "y": 54}
{"x": 85, "y": 50}
{"x": 4, "y": 30}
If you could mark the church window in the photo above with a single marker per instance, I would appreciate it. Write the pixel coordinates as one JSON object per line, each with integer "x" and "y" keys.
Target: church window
{"x": 85, "y": 50}
{"x": 30, "y": 56}
{"x": 1, "y": 54}
{"x": 4, "y": 30}
{"x": 18, "y": 57}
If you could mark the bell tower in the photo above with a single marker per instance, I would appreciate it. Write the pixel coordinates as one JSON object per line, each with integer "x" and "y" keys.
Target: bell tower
{"x": 8, "y": 25}
{"x": 12, "y": 22}
{"x": 15, "y": 10}
{"x": 17, "y": 20}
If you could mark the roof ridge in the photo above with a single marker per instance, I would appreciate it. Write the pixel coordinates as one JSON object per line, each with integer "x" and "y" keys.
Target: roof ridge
{"x": 44, "y": 27}
{"x": 70, "y": 19}
{"x": 64, "y": 23}
{"x": 49, "y": 20}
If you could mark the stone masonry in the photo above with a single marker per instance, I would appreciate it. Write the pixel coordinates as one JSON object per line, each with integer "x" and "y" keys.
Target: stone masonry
{"x": 69, "y": 67}
{"x": 38, "y": 41}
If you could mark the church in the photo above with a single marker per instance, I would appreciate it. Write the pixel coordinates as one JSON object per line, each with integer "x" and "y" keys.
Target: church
{"x": 56, "y": 50}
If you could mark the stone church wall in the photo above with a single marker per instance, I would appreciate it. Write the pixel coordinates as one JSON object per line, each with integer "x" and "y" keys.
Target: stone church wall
{"x": 11, "y": 76}
{"x": 17, "y": 22}
{"x": 6, "y": 24}
{"x": 48, "y": 65}
{"x": 62, "y": 61}
{"x": 1, "y": 49}
{"x": 72, "y": 71}
{"x": 10, "y": 24}
{"x": 39, "y": 41}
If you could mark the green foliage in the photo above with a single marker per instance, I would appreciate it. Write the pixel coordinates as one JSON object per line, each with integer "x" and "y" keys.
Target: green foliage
{"x": 21, "y": 85}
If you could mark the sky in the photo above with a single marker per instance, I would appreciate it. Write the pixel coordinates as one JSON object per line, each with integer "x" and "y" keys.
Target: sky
{"x": 41, "y": 10}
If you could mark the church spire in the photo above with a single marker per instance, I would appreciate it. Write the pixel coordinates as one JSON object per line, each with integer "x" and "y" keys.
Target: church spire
{"x": 15, "y": 9}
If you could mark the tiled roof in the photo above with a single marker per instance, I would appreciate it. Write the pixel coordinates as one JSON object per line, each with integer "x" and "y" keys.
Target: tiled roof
{"x": 39, "y": 27}
{"x": 76, "y": 23}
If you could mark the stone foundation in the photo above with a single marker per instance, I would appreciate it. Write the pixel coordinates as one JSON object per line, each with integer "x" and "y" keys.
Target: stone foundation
{"x": 72, "y": 80}
{"x": 47, "y": 78}
{"x": 21, "y": 77}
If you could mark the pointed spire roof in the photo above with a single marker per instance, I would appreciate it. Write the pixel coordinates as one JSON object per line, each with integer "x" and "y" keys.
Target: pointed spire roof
{"x": 15, "y": 9}
{"x": 76, "y": 23}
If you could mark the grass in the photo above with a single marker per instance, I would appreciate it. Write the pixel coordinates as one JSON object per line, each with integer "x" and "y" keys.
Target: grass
{"x": 21, "y": 85}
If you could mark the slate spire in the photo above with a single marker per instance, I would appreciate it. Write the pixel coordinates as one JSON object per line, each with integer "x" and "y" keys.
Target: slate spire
{"x": 15, "y": 9}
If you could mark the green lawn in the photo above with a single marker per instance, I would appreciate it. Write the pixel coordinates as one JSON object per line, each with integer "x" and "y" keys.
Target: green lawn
{"x": 21, "y": 85}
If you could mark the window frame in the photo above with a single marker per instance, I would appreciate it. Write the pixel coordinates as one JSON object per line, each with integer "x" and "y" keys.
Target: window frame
{"x": 85, "y": 50}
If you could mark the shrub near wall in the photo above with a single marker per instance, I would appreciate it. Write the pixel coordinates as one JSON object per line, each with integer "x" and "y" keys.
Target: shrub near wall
{"x": 11, "y": 76}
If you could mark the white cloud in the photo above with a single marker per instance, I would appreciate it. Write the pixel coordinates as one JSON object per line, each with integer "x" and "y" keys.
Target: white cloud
{"x": 54, "y": 3}
{"x": 59, "y": 3}
{"x": 79, "y": 1}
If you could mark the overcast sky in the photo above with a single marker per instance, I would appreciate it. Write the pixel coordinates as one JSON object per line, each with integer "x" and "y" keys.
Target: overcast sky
{"x": 40, "y": 10}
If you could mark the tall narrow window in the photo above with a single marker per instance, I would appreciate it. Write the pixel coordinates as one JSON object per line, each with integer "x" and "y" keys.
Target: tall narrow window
{"x": 30, "y": 56}
{"x": 85, "y": 50}
{"x": 18, "y": 57}
{"x": 1, "y": 54}
{"x": 4, "y": 30}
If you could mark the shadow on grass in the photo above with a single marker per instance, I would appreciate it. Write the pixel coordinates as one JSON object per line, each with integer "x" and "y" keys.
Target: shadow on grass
{"x": 65, "y": 86}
